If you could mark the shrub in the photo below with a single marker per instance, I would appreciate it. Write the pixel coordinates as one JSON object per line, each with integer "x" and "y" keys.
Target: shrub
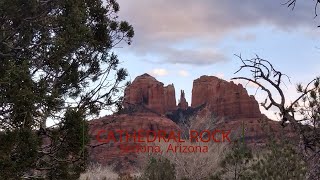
{"x": 281, "y": 161}
{"x": 159, "y": 169}
{"x": 98, "y": 172}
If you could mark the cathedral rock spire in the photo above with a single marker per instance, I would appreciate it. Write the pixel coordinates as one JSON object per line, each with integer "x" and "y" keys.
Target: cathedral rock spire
{"x": 183, "y": 104}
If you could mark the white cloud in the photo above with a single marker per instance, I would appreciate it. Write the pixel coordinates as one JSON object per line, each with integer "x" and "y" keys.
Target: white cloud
{"x": 183, "y": 73}
{"x": 159, "y": 72}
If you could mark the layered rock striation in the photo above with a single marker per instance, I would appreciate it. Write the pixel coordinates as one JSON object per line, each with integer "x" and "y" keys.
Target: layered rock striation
{"x": 169, "y": 98}
{"x": 110, "y": 153}
{"x": 224, "y": 99}
{"x": 220, "y": 97}
{"x": 146, "y": 91}
{"x": 151, "y": 101}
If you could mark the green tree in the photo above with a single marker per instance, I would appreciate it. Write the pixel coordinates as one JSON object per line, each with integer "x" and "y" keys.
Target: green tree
{"x": 278, "y": 161}
{"x": 159, "y": 169}
{"x": 234, "y": 163}
{"x": 57, "y": 67}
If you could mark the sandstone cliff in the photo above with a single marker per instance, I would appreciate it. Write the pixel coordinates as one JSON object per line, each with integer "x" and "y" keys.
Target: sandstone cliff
{"x": 169, "y": 98}
{"x": 146, "y": 91}
{"x": 220, "y": 97}
{"x": 224, "y": 98}
{"x": 232, "y": 107}
{"x": 110, "y": 153}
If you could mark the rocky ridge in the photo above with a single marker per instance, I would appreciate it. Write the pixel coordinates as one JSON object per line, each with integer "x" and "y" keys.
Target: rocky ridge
{"x": 224, "y": 99}
{"x": 149, "y": 105}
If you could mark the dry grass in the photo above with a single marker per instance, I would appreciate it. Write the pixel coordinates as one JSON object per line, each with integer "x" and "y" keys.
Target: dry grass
{"x": 193, "y": 165}
{"x": 98, "y": 172}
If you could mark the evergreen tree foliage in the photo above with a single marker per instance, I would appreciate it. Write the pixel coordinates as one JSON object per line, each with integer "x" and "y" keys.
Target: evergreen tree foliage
{"x": 277, "y": 160}
{"x": 281, "y": 161}
{"x": 159, "y": 169}
{"x": 57, "y": 67}
{"x": 234, "y": 163}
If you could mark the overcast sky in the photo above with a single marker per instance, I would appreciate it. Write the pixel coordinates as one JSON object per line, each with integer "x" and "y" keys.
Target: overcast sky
{"x": 177, "y": 41}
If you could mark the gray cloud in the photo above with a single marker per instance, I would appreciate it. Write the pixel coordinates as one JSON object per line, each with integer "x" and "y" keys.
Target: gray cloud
{"x": 194, "y": 57}
{"x": 198, "y": 57}
{"x": 161, "y": 23}
{"x": 245, "y": 37}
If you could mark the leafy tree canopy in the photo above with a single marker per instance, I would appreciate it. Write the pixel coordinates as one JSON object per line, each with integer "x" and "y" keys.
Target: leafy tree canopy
{"x": 56, "y": 65}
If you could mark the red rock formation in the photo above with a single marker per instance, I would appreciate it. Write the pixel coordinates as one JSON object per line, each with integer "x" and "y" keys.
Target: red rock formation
{"x": 255, "y": 131}
{"x": 183, "y": 104}
{"x": 147, "y": 91}
{"x": 110, "y": 153}
{"x": 221, "y": 97}
{"x": 224, "y": 98}
{"x": 169, "y": 98}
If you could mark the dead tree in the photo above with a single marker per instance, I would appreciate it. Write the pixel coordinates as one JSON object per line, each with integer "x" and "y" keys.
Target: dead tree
{"x": 302, "y": 114}
{"x": 292, "y": 4}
